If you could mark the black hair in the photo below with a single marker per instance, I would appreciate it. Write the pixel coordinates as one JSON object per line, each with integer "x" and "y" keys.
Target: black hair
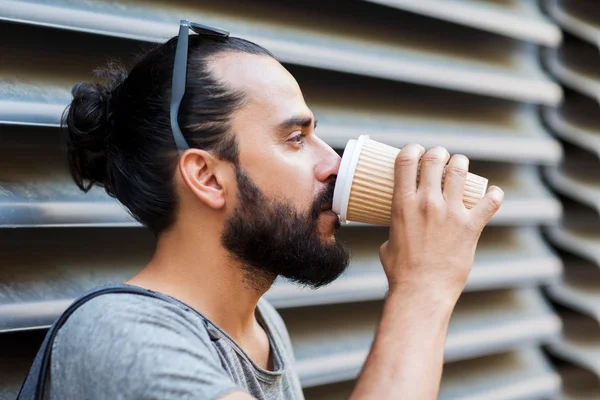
{"x": 118, "y": 131}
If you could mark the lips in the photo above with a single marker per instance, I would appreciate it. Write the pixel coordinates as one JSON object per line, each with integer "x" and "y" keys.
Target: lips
{"x": 326, "y": 207}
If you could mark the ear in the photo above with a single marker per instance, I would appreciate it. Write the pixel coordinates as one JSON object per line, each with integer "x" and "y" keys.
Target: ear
{"x": 200, "y": 172}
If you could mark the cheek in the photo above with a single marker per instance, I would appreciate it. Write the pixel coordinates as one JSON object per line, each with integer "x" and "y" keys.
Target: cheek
{"x": 294, "y": 182}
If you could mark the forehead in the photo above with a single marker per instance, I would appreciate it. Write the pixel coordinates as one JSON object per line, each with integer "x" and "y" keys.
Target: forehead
{"x": 271, "y": 92}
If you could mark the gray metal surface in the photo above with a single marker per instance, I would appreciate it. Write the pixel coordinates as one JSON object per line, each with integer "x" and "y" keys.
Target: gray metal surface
{"x": 577, "y": 296}
{"x": 39, "y": 284}
{"x": 399, "y": 70}
{"x": 516, "y": 19}
{"x": 578, "y": 232}
{"x": 578, "y": 177}
{"x": 520, "y": 375}
{"x": 506, "y": 257}
{"x": 576, "y": 17}
{"x": 574, "y": 65}
{"x": 578, "y": 383}
{"x": 580, "y": 289}
{"x": 42, "y": 194}
{"x": 580, "y": 342}
{"x": 483, "y": 323}
{"x": 17, "y": 353}
{"x": 400, "y": 51}
{"x": 576, "y": 121}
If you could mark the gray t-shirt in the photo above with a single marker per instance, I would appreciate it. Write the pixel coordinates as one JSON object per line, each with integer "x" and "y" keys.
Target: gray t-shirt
{"x": 127, "y": 346}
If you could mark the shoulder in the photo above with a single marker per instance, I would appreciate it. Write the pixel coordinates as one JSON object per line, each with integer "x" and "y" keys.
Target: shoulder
{"x": 135, "y": 343}
{"x": 128, "y": 327}
{"x": 117, "y": 315}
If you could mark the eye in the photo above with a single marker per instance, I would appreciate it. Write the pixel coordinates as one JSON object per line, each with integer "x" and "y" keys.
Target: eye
{"x": 298, "y": 138}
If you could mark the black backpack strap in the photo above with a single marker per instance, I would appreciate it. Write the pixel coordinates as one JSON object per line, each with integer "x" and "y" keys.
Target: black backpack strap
{"x": 34, "y": 385}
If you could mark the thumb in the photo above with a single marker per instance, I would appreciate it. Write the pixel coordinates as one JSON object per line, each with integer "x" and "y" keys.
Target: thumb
{"x": 488, "y": 205}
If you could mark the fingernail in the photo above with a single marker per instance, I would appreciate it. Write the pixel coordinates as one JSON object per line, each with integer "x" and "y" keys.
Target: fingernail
{"x": 462, "y": 162}
{"x": 496, "y": 191}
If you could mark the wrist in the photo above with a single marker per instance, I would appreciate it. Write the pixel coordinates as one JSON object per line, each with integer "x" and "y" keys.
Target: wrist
{"x": 427, "y": 301}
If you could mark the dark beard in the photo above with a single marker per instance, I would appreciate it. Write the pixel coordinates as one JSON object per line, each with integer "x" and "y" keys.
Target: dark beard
{"x": 271, "y": 238}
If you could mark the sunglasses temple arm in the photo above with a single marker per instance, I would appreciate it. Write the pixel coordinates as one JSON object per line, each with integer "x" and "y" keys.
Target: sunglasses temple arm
{"x": 178, "y": 85}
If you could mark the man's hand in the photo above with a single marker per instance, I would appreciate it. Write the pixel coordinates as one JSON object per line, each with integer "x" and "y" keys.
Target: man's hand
{"x": 427, "y": 260}
{"x": 433, "y": 236}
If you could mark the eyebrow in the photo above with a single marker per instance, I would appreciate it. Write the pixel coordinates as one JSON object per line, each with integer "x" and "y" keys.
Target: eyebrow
{"x": 302, "y": 121}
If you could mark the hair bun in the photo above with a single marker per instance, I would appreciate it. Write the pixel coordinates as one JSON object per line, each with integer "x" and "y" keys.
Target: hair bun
{"x": 88, "y": 124}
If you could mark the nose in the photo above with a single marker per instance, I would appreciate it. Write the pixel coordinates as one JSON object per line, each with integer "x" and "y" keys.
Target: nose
{"x": 327, "y": 167}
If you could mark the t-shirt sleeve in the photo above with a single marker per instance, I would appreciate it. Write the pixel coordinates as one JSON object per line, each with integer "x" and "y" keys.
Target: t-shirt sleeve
{"x": 143, "y": 348}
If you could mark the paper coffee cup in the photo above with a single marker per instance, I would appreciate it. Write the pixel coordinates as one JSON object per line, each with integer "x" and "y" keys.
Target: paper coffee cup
{"x": 365, "y": 183}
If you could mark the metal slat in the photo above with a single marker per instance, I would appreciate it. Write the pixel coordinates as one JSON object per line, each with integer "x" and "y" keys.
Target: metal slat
{"x": 483, "y": 323}
{"x": 483, "y": 64}
{"x": 506, "y": 257}
{"x": 519, "y": 375}
{"x": 580, "y": 290}
{"x": 364, "y": 68}
{"x": 578, "y": 177}
{"x": 579, "y": 236}
{"x": 35, "y": 85}
{"x": 574, "y": 64}
{"x": 523, "y": 374}
{"x": 17, "y": 352}
{"x": 578, "y": 383}
{"x": 39, "y": 284}
{"x": 576, "y": 121}
{"x": 48, "y": 197}
{"x": 578, "y": 295}
{"x": 42, "y": 194}
{"x": 60, "y": 264}
{"x": 581, "y": 18}
{"x": 516, "y": 19}
{"x": 578, "y": 233}
{"x": 527, "y": 201}
{"x": 397, "y": 113}
{"x": 580, "y": 342}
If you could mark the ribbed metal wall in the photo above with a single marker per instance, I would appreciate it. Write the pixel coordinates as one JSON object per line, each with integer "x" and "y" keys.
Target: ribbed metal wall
{"x": 576, "y": 64}
{"x": 465, "y": 74}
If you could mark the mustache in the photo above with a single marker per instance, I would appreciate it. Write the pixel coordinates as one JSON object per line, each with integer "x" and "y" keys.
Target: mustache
{"x": 324, "y": 199}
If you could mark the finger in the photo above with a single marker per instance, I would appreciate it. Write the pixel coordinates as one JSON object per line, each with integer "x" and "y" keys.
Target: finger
{"x": 406, "y": 168}
{"x": 432, "y": 170}
{"x": 488, "y": 205}
{"x": 455, "y": 178}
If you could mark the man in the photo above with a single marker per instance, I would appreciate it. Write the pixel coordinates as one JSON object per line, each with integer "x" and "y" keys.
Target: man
{"x": 237, "y": 187}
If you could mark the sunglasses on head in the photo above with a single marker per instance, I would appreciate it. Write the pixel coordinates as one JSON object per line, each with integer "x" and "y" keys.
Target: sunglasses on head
{"x": 180, "y": 73}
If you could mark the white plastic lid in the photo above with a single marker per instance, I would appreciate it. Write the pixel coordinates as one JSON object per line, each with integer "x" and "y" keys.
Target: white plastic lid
{"x": 345, "y": 176}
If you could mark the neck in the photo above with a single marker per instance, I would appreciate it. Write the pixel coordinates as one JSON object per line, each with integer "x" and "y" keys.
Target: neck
{"x": 195, "y": 268}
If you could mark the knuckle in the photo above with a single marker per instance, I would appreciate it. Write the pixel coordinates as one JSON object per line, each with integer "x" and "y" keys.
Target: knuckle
{"x": 435, "y": 155}
{"x": 456, "y": 172}
{"x": 493, "y": 204}
{"x": 401, "y": 207}
{"x": 405, "y": 160}
{"x": 456, "y": 215}
{"x": 430, "y": 203}
{"x": 473, "y": 229}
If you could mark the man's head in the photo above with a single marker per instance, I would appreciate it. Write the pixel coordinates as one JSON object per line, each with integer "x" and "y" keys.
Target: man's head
{"x": 256, "y": 174}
